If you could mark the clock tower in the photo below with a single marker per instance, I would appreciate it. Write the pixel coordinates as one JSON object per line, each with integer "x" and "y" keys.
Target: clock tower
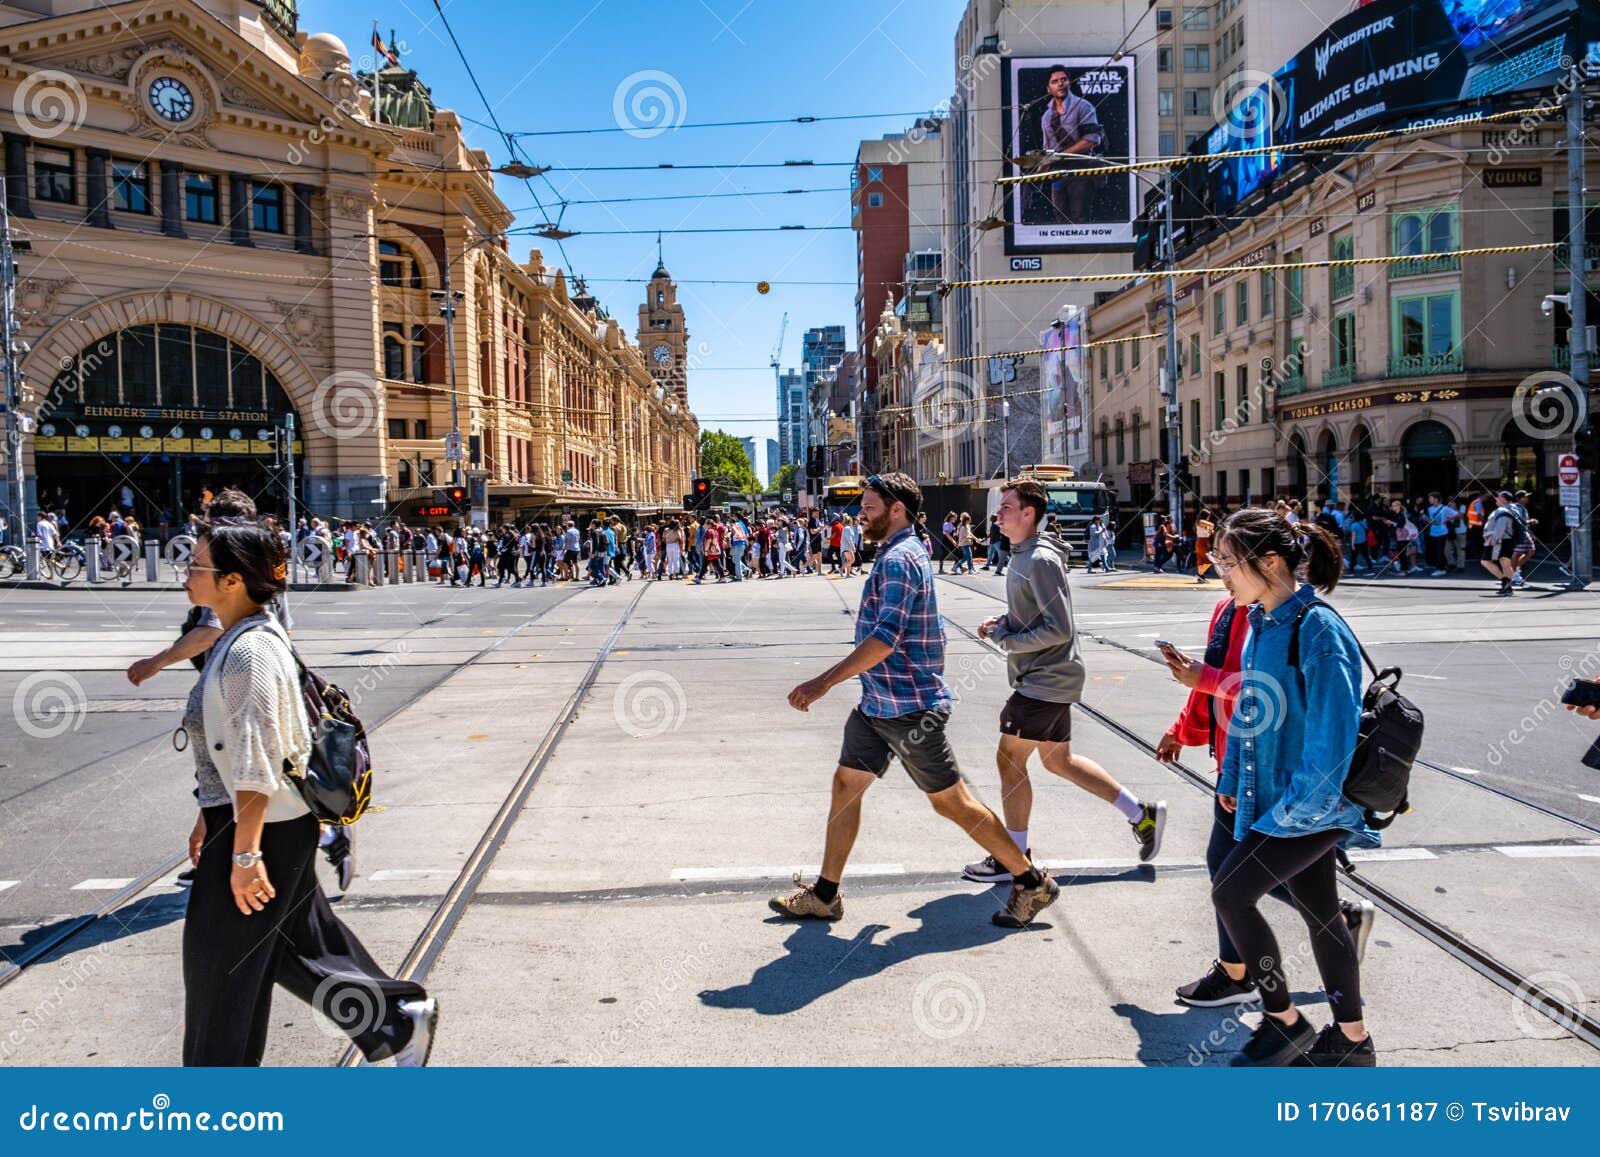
{"x": 662, "y": 338}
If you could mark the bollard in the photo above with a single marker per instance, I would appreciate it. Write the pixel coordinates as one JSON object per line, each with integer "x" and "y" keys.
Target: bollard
{"x": 393, "y": 562}
{"x": 325, "y": 566}
{"x": 358, "y": 571}
{"x": 30, "y": 566}
{"x": 152, "y": 562}
{"x": 91, "y": 561}
{"x": 416, "y": 567}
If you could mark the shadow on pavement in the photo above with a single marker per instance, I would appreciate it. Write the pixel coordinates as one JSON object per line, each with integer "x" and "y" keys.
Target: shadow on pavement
{"x": 140, "y": 915}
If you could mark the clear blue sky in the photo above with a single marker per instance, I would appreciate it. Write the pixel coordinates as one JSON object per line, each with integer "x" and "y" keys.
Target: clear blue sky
{"x": 551, "y": 66}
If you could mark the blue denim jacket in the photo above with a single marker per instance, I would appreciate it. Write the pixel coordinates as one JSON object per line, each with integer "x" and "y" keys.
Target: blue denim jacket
{"x": 1293, "y": 731}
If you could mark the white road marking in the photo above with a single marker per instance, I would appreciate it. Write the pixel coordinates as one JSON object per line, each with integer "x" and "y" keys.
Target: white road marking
{"x": 1440, "y": 678}
{"x": 1550, "y": 851}
{"x": 1466, "y": 771}
{"x": 102, "y": 884}
{"x": 383, "y": 874}
{"x": 322, "y": 612}
{"x": 4, "y": 884}
{"x": 1379, "y": 854}
{"x": 1125, "y": 862}
{"x": 691, "y": 875}
{"x": 1589, "y": 798}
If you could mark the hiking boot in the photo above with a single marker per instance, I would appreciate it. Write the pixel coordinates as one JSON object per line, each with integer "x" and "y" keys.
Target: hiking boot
{"x": 1274, "y": 1044}
{"x": 1334, "y": 1050}
{"x": 1215, "y": 989}
{"x": 1025, "y": 903}
{"x": 804, "y": 905}
{"x": 1147, "y": 830}
{"x": 989, "y": 871}
{"x": 1359, "y": 917}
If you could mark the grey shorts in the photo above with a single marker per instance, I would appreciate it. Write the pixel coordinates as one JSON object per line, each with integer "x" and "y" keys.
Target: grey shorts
{"x": 917, "y": 738}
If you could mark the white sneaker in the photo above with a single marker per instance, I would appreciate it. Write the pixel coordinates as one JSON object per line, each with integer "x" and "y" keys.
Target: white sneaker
{"x": 1516, "y": 579}
{"x": 424, "y": 1016}
{"x": 1436, "y": 574}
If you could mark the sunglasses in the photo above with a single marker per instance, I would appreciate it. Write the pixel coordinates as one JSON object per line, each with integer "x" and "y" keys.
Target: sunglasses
{"x": 894, "y": 493}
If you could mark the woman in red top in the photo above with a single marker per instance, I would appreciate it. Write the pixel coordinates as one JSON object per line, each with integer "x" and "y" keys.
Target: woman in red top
{"x": 1213, "y": 684}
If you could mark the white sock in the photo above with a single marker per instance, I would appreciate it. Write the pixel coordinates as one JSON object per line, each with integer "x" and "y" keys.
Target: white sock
{"x": 1128, "y": 804}
{"x": 1020, "y": 839}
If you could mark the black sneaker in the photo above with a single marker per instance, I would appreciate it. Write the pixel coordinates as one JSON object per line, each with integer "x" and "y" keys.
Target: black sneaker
{"x": 1359, "y": 917}
{"x": 341, "y": 856}
{"x": 989, "y": 871}
{"x": 1334, "y": 1050}
{"x": 1147, "y": 830}
{"x": 1215, "y": 989}
{"x": 1274, "y": 1044}
{"x": 186, "y": 877}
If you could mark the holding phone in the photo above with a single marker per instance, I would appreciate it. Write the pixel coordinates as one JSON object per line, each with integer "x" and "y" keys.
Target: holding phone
{"x": 1582, "y": 693}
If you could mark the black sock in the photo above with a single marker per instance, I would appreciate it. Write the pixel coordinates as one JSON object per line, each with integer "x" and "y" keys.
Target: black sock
{"x": 825, "y": 889}
{"x": 1030, "y": 878}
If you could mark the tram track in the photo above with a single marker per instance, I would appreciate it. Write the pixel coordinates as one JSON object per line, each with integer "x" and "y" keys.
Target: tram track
{"x": 73, "y": 927}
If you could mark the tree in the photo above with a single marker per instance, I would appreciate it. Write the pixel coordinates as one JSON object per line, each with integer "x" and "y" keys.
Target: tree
{"x": 784, "y": 479}
{"x": 723, "y": 460}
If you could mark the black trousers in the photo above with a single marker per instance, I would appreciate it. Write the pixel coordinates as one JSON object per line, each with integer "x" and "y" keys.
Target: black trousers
{"x": 1304, "y": 865}
{"x": 231, "y": 961}
{"x": 1217, "y": 849}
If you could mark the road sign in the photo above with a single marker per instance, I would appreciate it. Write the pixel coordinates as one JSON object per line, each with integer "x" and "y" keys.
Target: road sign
{"x": 1567, "y": 474}
{"x": 566, "y": 476}
{"x": 1571, "y": 513}
{"x": 788, "y": 495}
{"x": 452, "y": 446}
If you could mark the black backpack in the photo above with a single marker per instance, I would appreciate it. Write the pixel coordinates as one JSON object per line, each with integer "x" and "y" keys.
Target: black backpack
{"x": 190, "y": 622}
{"x": 1387, "y": 744}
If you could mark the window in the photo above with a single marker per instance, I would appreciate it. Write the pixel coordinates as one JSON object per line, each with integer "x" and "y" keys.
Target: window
{"x": 1197, "y": 18}
{"x": 1426, "y": 326}
{"x": 403, "y": 474}
{"x": 1196, "y": 101}
{"x": 1194, "y": 353}
{"x": 1117, "y": 355}
{"x": 1244, "y": 487}
{"x": 397, "y": 428}
{"x": 1222, "y": 487}
{"x": 1197, "y": 58}
{"x": 1105, "y": 442}
{"x": 394, "y": 351}
{"x": 130, "y": 187}
{"x": 1296, "y": 280}
{"x": 1194, "y": 425}
{"x": 1219, "y": 390}
{"x": 53, "y": 176}
{"x": 419, "y": 429}
{"x": 1136, "y": 347}
{"x": 874, "y": 200}
{"x": 874, "y": 173}
{"x": 1241, "y": 413}
{"x": 266, "y": 208}
{"x": 1190, "y": 138}
{"x": 1104, "y": 363}
{"x": 200, "y": 198}
{"x": 1241, "y": 302}
{"x": 1342, "y": 278}
{"x": 1344, "y": 341}
{"x": 397, "y": 267}
{"x": 1122, "y": 446}
{"x": 1163, "y": 60}
{"x": 1164, "y": 105}
{"x": 1419, "y": 232}
{"x": 1167, "y": 145}
{"x": 1163, "y": 20}
{"x": 425, "y": 469}
{"x": 1269, "y": 287}
{"x": 419, "y": 353}
{"x": 1219, "y": 313}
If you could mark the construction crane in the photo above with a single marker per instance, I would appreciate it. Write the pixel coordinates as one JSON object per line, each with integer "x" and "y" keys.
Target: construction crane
{"x": 777, "y": 350}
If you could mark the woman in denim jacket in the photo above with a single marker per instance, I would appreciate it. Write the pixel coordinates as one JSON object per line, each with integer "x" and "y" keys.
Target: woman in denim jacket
{"x": 1290, "y": 740}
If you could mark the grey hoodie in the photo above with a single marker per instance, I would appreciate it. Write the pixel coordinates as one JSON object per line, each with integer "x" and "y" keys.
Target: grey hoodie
{"x": 1036, "y": 632}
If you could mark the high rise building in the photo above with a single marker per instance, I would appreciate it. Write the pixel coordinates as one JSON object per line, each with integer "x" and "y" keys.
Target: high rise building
{"x": 773, "y": 465}
{"x": 792, "y": 419}
{"x": 749, "y": 445}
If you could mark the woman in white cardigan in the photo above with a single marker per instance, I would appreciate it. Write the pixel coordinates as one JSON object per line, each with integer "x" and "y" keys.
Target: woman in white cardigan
{"x": 257, "y": 915}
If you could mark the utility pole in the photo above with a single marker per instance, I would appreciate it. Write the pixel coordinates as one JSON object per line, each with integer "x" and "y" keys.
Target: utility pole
{"x": 286, "y": 440}
{"x": 15, "y": 498}
{"x": 1169, "y": 385}
{"x": 1578, "y": 335}
{"x": 447, "y": 310}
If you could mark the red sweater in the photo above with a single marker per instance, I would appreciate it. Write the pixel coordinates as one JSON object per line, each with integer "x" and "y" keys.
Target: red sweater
{"x": 1193, "y": 727}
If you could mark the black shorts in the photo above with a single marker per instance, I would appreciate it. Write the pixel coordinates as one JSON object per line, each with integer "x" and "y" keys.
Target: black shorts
{"x": 1496, "y": 551}
{"x": 1036, "y": 720}
{"x": 917, "y": 738}
{"x": 571, "y": 556}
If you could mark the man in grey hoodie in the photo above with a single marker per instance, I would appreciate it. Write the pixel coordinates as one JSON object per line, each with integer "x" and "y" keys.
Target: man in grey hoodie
{"x": 1046, "y": 673}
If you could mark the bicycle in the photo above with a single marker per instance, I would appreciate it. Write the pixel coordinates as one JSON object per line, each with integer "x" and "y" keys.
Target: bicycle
{"x": 65, "y": 562}
{"x": 12, "y": 561}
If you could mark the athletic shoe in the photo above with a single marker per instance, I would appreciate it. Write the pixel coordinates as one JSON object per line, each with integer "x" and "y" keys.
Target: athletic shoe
{"x": 1334, "y": 1050}
{"x": 1199, "y": 578}
{"x": 1436, "y": 574}
{"x": 989, "y": 871}
{"x": 341, "y": 855}
{"x": 186, "y": 877}
{"x": 424, "y": 1017}
{"x": 1359, "y": 916}
{"x": 1506, "y": 587}
{"x": 804, "y": 905}
{"x": 1274, "y": 1044}
{"x": 1215, "y": 989}
{"x": 1025, "y": 903}
{"x": 1517, "y": 580}
{"x": 1147, "y": 830}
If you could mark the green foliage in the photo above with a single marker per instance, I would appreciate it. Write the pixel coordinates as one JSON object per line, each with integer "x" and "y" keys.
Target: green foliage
{"x": 722, "y": 459}
{"x": 785, "y": 479}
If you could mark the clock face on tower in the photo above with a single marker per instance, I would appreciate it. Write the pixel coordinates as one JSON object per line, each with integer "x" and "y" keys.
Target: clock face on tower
{"x": 662, "y": 355}
{"x": 171, "y": 99}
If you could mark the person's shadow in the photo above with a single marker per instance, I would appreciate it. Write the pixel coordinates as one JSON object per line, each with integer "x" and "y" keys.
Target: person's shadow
{"x": 817, "y": 962}
{"x": 1196, "y": 1037}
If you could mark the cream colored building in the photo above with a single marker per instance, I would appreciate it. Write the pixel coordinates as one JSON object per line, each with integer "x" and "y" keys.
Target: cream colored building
{"x": 225, "y": 238}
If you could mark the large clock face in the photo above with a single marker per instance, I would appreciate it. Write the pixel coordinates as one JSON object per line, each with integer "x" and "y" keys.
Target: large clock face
{"x": 171, "y": 99}
{"x": 662, "y": 355}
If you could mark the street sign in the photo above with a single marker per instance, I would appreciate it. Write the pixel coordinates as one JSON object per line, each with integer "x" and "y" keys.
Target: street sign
{"x": 1572, "y": 516}
{"x": 452, "y": 446}
{"x": 788, "y": 495}
{"x": 1567, "y": 474}
{"x": 566, "y": 476}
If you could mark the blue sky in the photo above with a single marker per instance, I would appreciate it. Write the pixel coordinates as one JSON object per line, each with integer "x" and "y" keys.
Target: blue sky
{"x": 550, "y": 66}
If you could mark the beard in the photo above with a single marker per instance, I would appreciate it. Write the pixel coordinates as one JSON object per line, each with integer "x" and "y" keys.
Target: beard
{"x": 877, "y": 529}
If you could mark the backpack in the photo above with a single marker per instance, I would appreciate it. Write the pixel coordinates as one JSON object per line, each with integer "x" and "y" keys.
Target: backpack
{"x": 337, "y": 784}
{"x": 190, "y": 622}
{"x": 1387, "y": 743}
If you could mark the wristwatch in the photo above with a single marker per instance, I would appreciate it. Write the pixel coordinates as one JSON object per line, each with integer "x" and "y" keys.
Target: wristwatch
{"x": 247, "y": 859}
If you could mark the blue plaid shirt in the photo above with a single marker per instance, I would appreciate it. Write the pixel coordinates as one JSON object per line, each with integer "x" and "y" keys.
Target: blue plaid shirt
{"x": 899, "y": 608}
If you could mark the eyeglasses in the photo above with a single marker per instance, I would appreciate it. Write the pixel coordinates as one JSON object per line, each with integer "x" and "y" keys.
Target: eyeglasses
{"x": 188, "y": 567}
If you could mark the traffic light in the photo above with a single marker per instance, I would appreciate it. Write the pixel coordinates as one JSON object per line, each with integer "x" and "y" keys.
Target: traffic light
{"x": 457, "y": 496}
{"x": 701, "y": 490}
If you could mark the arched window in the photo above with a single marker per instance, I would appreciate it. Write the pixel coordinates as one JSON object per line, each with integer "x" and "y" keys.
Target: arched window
{"x": 1408, "y": 236}
{"x": 170, "y": 367}
{"x": 398, "y": 266}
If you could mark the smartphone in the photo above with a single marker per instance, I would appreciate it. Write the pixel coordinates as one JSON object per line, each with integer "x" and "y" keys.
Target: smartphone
{"x": 1582, "y": 693}
{"x": 1165, "y": 647}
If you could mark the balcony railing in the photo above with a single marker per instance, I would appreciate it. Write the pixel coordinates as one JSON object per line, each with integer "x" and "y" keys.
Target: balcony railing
{"x": 1295, "y": 384}
{"x": 281, "y": 17}
{"x": 1339, "y": 375}
{"x": 1591, "y": 254}
{"x": 1422, "y": 365}
{"x": 1423, "y": 265}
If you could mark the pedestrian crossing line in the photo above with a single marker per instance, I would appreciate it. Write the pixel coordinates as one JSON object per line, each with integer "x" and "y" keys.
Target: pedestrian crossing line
{"x": 4, "y": 884}
{"x": 1378, "y": 855}
{"x": 1589, "y": 798}
{"x": 394, "y": 874}
{"x": 779, "y": 872}
{"x": 1466, "y": 771}
{"x": 1550, "y": 851}
{"x": 102, "y": 884}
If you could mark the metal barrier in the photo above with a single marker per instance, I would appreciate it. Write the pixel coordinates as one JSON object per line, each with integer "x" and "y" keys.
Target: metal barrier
{"x": 152, "y": 561}
{"x": 91, "y": 562}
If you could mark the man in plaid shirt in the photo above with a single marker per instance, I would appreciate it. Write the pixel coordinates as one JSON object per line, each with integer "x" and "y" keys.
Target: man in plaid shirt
{"x": 905, "y": 704}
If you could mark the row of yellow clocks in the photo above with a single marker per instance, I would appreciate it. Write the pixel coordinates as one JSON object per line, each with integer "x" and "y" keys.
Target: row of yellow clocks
{"x": 48, "y": 430}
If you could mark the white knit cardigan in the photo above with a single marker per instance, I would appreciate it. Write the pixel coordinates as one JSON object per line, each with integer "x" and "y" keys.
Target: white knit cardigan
{"x": 255, "y": 718}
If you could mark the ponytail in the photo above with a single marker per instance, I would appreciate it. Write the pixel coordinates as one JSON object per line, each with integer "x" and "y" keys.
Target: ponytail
{"x": 1253, "y": 533}
{"x": 1324, "y": 559}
